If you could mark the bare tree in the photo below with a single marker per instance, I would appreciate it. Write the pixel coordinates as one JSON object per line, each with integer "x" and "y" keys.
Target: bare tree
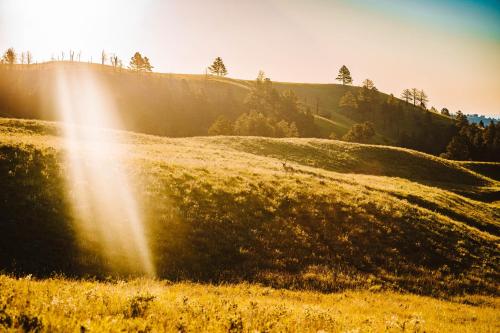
{"x": 422, "y": 99}
{"x": 79, "y": 56}
{"x": 29, "y": 57}
{"x": 23, "y": 58}
{"x": 414, "y": 95}
{"x": 71, "y": 55}
{"x": 104, "y": 57}
{"x": 115, "y": 61}
{"x": 406, "y": 95}
{"x": 368, "y": 84}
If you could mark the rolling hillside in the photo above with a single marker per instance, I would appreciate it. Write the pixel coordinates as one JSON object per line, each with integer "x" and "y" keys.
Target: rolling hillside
{"x": 340, "y": 216}
{"x": 180, "y": 105}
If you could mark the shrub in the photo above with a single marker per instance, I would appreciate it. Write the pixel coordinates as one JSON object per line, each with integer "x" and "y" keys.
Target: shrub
{"x": 138, "y": 305}
{"x": 30, "y": 323}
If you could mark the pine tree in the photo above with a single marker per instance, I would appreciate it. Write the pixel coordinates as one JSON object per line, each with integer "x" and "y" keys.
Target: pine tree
{"x": 457, "y": 149}
{"x": 348, "y": 102}
{"x": 461, "y": 119}
{"x": 367, "y": 95}
{"x": 136, "y": 62}
{"x": 344, "y": 75}
{"x": 218, "y": 68}
{"x": 146, "y": 65}
{"x": 445, "y": 112}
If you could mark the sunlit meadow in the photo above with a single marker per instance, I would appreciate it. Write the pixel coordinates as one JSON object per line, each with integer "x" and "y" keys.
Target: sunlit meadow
{"x": 249, "y": 166}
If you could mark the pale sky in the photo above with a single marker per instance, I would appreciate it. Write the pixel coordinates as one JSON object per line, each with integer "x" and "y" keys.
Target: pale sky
{"x": 450, "y": 49}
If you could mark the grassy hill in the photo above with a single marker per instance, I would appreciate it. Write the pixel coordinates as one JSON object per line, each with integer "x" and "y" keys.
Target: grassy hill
{"x": 181, "y": 105}
{"x": 224, "y": 209}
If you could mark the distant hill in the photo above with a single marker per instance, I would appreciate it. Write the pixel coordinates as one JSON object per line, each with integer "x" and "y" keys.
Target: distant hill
{"x": 475, "y": 118}
{"x": 180, "y": 105}
{"x": 341, "y": 215}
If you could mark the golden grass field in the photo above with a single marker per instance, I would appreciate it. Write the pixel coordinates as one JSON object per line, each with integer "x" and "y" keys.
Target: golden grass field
{"x": 345, "y": 241}
{"x": 59, "y": 305}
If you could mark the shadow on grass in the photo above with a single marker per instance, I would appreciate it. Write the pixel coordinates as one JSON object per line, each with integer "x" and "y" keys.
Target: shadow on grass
{"x": 36, "y": 226}
{"x": 270, "y": 230}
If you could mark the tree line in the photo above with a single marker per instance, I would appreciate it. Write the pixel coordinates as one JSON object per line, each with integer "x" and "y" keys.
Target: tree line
{"x": 138, "y": 62}
{"x": 269, "y": 113}
{"x": 465, "y": 141}
{"x": 474, "y": 141}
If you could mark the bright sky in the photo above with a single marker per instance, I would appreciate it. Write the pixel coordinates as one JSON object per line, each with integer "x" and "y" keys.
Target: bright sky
{"x": 450, "y": 48}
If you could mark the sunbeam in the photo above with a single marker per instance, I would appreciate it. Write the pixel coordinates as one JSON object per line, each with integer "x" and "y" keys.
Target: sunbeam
{"x": 101, "y": 193}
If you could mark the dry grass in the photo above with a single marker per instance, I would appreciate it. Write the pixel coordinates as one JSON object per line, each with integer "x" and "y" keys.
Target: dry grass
{"x": 59, "y": 305}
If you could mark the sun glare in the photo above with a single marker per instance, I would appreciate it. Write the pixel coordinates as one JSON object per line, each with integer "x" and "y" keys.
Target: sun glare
{"x": 101, "y": 193}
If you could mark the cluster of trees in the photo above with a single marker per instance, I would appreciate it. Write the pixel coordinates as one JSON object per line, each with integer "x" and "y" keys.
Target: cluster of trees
{"x": 362, "y": 132}
{"x": 10, "y": 57}
{"x": 269, "y": 113}
{"x": 138, "y": 63}
{"x": 254, "y": 123}
{"x": 474, "y": 141}
{"x": 114, "y": 60}
{"x": 409, "y": 124}
{"x": 445, "y": 112}
{"x": 365, "y": 99}
{"x": 415, "y": 96}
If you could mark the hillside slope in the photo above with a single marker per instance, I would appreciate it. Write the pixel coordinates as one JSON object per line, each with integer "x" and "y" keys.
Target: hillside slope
{"x": 186, "y": 105}
{"x": 225, "y": 209}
